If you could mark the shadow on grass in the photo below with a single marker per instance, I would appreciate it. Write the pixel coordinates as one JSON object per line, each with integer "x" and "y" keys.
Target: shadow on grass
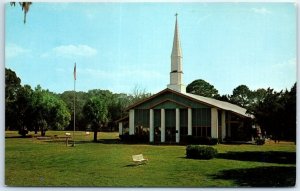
{"x": 279, "y": 157}
{"x": 131, "y": 165}
{"x": 134, "y": 165}
{"x": 109, "y": 141}
{"x": 17, "y": 136}
{"x": 273, "y": 176}
{"x": 102, "y": 141}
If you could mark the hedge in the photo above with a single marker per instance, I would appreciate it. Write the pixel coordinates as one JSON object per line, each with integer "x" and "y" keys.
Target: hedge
{"x": 200, "y": 152}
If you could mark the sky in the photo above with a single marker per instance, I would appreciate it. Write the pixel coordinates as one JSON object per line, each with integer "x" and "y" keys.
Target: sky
{"x": 120, "y": 46}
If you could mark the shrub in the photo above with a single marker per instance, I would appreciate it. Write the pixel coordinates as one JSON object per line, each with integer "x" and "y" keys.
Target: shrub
{"x": 200, "y": 152}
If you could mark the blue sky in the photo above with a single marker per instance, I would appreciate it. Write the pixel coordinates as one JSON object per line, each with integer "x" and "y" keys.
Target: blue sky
{"x": 118, "y": 46}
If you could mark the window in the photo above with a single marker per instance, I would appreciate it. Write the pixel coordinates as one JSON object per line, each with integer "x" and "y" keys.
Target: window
{"x": 201, "y": 121}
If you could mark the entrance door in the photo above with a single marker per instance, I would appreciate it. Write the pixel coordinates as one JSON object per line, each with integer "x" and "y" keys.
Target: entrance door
{"x": 157, "y": 128}
{"x": 170, "y": 115}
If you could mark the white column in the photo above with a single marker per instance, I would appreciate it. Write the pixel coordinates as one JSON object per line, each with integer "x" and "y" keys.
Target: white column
{"x": 223, "y": 123}
{"x": 214, "y": 122}
{"x": 131, "y": 122}
{"x": 151, "y": 128}
{"x": 177, "y": 125}
{"x": 162, "y": 126}
{"x": 189, "y": 121}
{"x": 120, "y": 128}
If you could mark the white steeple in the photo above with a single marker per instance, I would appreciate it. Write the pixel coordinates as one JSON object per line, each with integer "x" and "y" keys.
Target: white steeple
{"x": 176, "y": 82}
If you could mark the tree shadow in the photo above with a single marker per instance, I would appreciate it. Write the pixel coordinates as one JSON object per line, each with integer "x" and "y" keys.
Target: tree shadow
{"x": 272, "y": 176}
{"x": 18, "y": 137}
{"x": 70, "y": 142}
{"x": 279, "y": 157}
{"x": 109, "y": 141}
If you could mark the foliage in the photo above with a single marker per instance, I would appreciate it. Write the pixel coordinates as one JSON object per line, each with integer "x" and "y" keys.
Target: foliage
{"x": 138, "y": 94}
{"x": 80, "y": 100}
{"x": 241, "y": 96}
{"x": 96, "y": 113}
{"x": 200, "y": 152}
{"x": 49, "y": 112}
{"x": 28, "y": 110}
{"x": 276, "y": 114}
{"x": 25, "y": 7}
{"x": 202, "y": 88}
{"x": 116, "y": 104}
{"x": 12, "y": 86}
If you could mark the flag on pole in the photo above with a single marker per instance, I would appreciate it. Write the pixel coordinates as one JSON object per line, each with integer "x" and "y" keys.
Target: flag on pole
{"x": 75, "y": 71}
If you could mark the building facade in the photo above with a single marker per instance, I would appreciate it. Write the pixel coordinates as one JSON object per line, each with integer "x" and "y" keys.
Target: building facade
{"x": 172, "y": 114}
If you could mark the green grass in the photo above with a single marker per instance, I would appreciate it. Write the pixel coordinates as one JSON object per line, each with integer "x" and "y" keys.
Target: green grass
{"x": 32, "y": 162}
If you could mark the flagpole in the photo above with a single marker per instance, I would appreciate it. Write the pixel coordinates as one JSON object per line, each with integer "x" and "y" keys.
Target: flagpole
{"x": 74, "y": 104}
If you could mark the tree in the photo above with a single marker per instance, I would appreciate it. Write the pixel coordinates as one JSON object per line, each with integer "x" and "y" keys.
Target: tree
{"x": 12, "y": 86}
{"x": 289, "y": 114}
{"x": 259, "y": 95}
{"x": 96, "y": 113}
{"x": 241, "y": 96}
{"x": 81, "y": 99}
{"x": 23, "y": 109}
{"x": 269, "y": 113}
{"x": 138, "y": 94}
{"x": 116, "y": 109}
{"x": 202, "y": 88}
{"x": 49, "y": 112}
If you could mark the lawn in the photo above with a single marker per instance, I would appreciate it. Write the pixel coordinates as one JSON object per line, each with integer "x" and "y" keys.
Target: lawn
{"x": 32, "y": 162}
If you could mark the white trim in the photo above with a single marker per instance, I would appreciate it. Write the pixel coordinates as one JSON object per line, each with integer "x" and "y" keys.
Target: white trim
{"x": 214, "y": 122}
{"x": 120, "y": 128}
{"x": 177, "y": 125}
{"x": 151, "y": 128}
{"x": 131, "y": 122}
{"x": 189, "y": 121}
{"x": 223, "y": 123}
{"x": 162, "y": 126}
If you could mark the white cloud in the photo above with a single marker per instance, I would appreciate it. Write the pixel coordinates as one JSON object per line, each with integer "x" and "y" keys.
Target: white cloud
{"x": 71, "y": 51}
{"x": 13, "y": 50}
{"x": 262, "y": 11}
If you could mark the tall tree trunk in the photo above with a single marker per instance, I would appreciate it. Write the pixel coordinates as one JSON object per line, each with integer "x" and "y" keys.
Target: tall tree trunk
{"x": 95, "y": 136}
{"x": 43, "y": 132}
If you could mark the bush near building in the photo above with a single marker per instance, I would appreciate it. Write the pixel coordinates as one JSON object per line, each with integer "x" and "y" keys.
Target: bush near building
{"x": 200, "y": 152}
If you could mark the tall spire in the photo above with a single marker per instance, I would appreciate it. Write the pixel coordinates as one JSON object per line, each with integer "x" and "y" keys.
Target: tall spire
{"x": 176, "y": 63}
{"x": 176, "y": 50}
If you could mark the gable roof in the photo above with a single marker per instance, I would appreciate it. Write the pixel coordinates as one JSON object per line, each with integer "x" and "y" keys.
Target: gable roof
{"x": 203, "y": 100}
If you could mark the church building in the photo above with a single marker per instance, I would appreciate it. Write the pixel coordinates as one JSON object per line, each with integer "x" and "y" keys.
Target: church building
{"x": 172, "y": 114}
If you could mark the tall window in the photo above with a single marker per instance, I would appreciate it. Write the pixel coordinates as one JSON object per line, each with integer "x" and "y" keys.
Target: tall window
{"x": 183, "y": 121}
{"x": 201, "y": 122}
{"x": 141, "y": 121}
